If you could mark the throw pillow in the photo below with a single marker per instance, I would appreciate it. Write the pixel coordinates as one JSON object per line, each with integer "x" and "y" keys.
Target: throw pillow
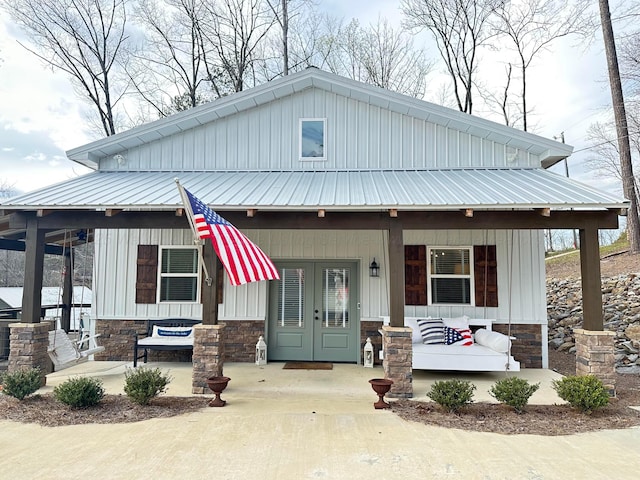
{"x": 172, "y": 331}
{"x": 432, "y": 331}
{"x": 457, "y": 322}
{"x": 452, "y": 336}
{"x": 496, "y": 341}
{"x": 466, "y": 337}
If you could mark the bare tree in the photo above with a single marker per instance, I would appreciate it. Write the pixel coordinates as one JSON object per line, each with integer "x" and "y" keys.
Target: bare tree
{"x": 531, "y": 26}
{"x": 622, "y": 130}
{"x": 173, "y": 68}
{"x": 237, "y": 29}
{"x": 82, "y": 38}
{"x": 379, "y": 55}
{"x": 460, "y": 28}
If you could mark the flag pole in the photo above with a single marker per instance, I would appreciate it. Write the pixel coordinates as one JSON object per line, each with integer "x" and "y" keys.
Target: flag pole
{"x": 196, "y": 240}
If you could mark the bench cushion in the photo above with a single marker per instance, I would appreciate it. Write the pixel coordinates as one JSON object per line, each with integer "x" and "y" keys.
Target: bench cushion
{"x": 166, "y": 341}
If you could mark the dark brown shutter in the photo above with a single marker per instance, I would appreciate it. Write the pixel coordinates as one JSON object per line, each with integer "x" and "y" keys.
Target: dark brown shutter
{"x": 415, "y": 275}
{"x": 485, "y": 267}
{"x": 220, "y": 281}
{"x": 147, "y": 274}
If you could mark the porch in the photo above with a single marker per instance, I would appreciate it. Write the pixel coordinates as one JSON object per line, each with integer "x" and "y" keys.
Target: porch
{"x": 343, "y": 389}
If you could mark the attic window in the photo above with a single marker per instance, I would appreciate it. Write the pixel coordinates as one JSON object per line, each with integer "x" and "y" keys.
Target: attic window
{"x": 312, "y": 138}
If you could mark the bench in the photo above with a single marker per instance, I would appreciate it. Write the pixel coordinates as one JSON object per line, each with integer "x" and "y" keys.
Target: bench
{"x": 477, "y": 357}
{"x": 164, "y": 334}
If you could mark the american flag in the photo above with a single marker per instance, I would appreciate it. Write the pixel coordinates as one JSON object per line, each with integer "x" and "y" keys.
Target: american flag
{"x": 242, "y": 259}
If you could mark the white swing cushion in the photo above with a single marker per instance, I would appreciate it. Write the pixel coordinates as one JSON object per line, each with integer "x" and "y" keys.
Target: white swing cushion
{"x": 496, "y": 341}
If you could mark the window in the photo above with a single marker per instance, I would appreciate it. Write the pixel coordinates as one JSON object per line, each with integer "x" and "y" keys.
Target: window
{"x": 312, "y": 139}
{"x": 450, "y": 276}
{"x": 178, "y": 274}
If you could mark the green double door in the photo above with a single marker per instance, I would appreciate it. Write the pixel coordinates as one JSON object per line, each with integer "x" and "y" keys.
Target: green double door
{"x": 313, "y": 312}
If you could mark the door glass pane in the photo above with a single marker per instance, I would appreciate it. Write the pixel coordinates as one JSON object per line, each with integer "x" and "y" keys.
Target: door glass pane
{"x": 335, "y": 295}
{"x": 291, "y": 298}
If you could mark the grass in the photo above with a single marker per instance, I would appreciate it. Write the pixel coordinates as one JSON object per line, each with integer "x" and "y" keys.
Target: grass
{"x": 564, "y": 257}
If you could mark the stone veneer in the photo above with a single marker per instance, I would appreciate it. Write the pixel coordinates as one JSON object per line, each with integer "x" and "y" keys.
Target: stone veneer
{"x": 398, "y": 355}
{"x": 208, "y": 355}
{"x": 117, "y": 337}
{"x": 28, "y": 348}
{"x": 595, "y": 356}
{"x": 370, "y": 329}
{"x": 527, "y": 347}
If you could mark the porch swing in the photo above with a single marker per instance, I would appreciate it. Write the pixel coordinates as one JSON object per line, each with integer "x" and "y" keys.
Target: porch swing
{"x": 63, "y": 351}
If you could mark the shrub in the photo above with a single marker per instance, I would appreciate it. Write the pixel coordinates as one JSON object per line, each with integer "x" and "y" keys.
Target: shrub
{"x": 142, "y": 384}
{"x": 80, "y": 392}
{"x": 584, "y": 392}
{"x": 514, "y": 392}
{"x": 452, "y": 394}
{"x": 21, "y": 383}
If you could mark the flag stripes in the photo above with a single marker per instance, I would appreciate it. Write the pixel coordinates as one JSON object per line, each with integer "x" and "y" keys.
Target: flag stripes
{"x": 242, "y": 259}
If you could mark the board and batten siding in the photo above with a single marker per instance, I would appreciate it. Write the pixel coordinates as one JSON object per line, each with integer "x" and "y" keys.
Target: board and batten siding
{"x": 523, "y": 298}
{"x": 358, "y": 135}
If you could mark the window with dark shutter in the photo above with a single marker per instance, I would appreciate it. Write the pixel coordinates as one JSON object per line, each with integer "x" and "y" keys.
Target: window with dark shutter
{"x": 147, "y": 274}
{"x": 486, "y": 275}
{"x": 415, "y": 275}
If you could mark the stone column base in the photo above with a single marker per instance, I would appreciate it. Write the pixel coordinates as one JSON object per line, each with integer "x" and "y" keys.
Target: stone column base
{"x": 398, "y": 355}
{"x": 28, "y": 343}
{"x": 595, "y": 356}
{"x": 208, "y": 355}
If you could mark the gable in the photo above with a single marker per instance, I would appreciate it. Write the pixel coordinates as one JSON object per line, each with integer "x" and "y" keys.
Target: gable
{"x": 367, "y": 128}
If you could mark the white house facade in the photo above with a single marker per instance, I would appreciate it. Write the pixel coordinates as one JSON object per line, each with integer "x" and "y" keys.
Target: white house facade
{"x": 328, "y": 176}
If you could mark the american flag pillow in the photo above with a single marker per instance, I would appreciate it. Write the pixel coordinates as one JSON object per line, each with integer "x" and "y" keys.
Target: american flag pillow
{"x": 458, "y": 336}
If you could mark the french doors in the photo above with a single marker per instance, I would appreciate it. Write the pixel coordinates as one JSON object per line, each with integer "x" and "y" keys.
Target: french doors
{"x": 312, "y": 312}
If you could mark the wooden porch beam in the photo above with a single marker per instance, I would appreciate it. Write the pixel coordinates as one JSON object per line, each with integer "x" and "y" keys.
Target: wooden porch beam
{"x": 432, "y": 220}
{"x": 112, "y": 212}
{"x": 67, "y": 291}
{"x": 321, "y": 213}
{"x": 251, "y": 212}
{"x": 591, "y": 279}
{"x": 468, "y": 212}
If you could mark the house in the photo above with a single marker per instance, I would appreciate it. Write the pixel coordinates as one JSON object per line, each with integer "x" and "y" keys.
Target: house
{"x": 327, "y": 175}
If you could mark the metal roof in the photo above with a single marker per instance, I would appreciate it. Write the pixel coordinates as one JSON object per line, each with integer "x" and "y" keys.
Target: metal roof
{"x": 367, "y": 190}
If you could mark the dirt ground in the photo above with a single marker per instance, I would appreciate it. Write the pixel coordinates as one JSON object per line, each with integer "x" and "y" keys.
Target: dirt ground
{"x": 537, "y": 419}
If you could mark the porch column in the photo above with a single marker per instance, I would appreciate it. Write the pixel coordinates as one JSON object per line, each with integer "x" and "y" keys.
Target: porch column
{"x": 28, "y": 344}
{"x": 209, "y": 295}
{"x": 208, "y": 355}
{"x": 398, "y": 355}
{"x": 595, "y": 355}
{"x": 396, "y": 274}
{"x": 33, "y": 268}
{"x": 591, "y": 281}
{"x": 67, "y": 291}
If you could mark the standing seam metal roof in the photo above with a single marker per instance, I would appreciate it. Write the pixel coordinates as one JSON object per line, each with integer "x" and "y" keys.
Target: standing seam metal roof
{"x": 339, "y": 190}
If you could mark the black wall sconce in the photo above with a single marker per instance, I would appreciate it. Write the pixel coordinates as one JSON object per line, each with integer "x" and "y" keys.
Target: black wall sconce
{"x": 374, "y": 269}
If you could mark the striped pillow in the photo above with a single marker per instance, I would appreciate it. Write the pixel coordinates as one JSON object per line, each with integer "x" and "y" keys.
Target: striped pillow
{"x": 432, "y": 331}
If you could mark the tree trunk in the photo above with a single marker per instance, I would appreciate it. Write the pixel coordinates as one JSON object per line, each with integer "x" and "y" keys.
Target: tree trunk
{"x": 622, "y": 130}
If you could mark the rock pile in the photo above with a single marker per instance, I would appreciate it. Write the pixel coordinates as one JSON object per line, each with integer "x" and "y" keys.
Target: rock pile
{"x": 621, "y": 304}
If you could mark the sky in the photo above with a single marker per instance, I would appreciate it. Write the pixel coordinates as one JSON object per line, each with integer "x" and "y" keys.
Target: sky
{"x": 41, "y": 117}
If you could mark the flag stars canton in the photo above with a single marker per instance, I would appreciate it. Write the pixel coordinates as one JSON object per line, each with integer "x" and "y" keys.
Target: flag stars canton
{"x": 199, "y": 208}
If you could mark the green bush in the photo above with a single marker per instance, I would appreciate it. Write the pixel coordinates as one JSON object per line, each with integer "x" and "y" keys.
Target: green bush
{"x": 584, "y": 392}
{"x": 80, "y": 392}
{"x": 452, "y": 394}
{"x": 514, "y": 392}
{"x": 21, "y": 383}
{"x": 142, "y": 384}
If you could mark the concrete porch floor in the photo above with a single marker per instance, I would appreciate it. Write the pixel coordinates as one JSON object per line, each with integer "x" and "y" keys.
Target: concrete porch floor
{"x": 296, "y": 424}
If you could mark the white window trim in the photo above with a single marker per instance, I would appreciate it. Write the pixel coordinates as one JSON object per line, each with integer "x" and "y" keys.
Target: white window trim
{"x": 470, "y": 276}
{"x": 324, "y": 147}
{"x": 169, "y": 275}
